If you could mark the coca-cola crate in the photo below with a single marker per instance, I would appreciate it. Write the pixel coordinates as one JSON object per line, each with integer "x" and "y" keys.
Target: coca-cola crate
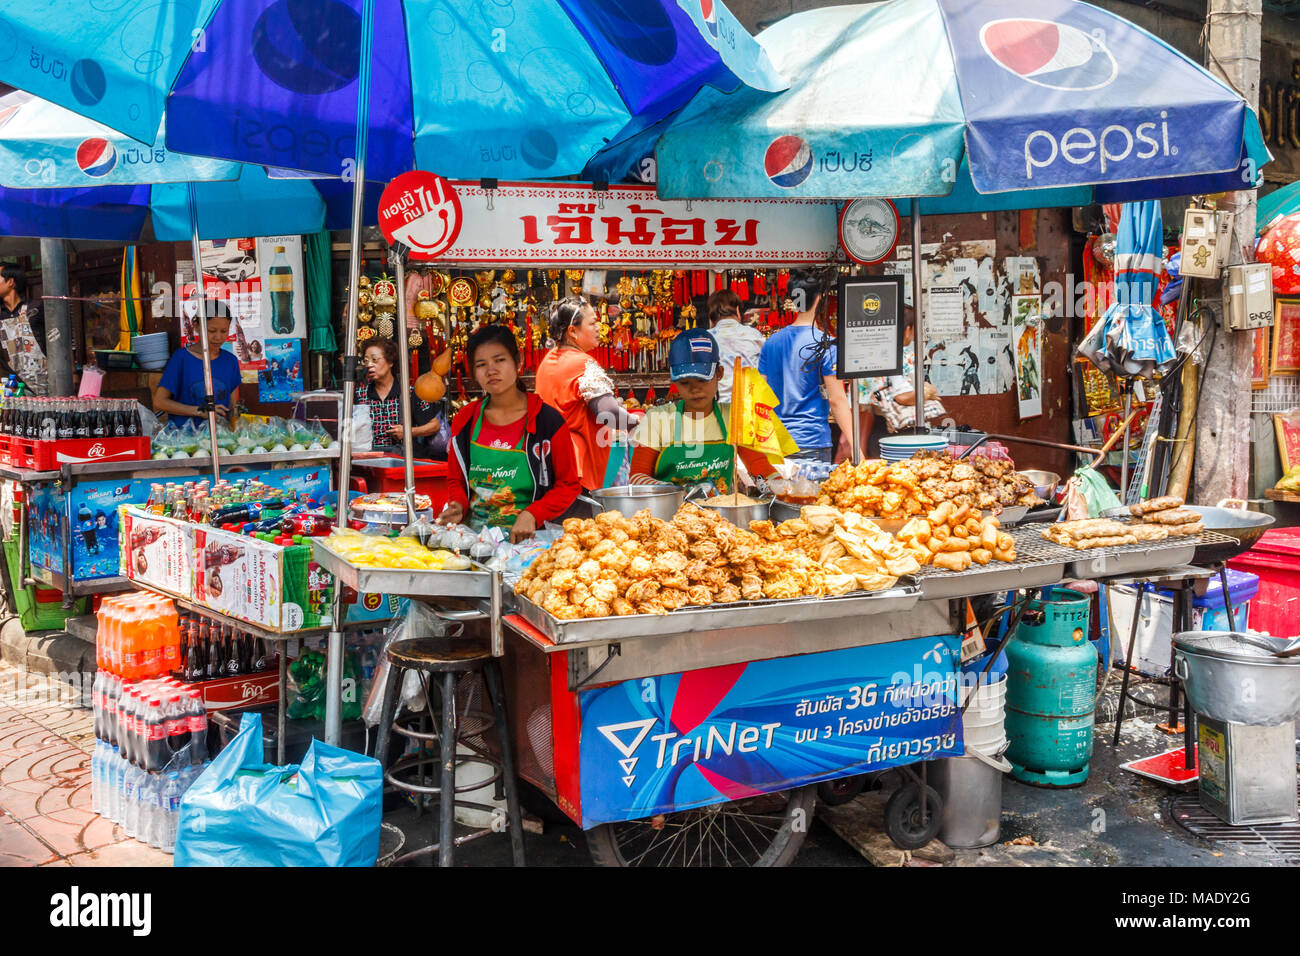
{"x": 6, "y": 450}
{"x": 50, "y": 455}
{"x": 242, "y": 692}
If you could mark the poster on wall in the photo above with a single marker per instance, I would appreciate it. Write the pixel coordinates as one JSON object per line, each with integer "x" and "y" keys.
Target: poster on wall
{"x": 282, "y": 375}
{"x": 969, "y": 348}
{"x": 1259, "y": 360}
{"x": 261, "y": 282}
{"x": 1027, "y": 327}
{"x": 1286, "y": 337}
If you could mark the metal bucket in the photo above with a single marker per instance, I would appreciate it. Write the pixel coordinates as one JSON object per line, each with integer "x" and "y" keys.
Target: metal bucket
{"x": 971, "y": 788}
{"x": 1229, "y": 679}
{"x": 740, "y": 515}
{"x": 662, "y": 500}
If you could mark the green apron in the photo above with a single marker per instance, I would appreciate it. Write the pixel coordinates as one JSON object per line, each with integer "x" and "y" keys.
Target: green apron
{"x": 500, "y": 482}
{"x": 691, "y": 464}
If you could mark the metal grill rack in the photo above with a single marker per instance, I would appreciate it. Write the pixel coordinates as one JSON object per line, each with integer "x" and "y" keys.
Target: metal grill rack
{"x": 1038, "y": 563}
{"x": 1280, "y": 840}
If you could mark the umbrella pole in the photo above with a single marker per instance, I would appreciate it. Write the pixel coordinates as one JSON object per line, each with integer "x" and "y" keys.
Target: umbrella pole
{"x": 209, "y": 397}
{"x": 397, "y": 256}
{"x": 1124, "y": 446}
{"x": 918, "y": 341}
{"x": 334, "y": 659}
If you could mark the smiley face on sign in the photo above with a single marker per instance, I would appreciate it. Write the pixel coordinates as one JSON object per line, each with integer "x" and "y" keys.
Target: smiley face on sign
{"x": 422, "y": 211}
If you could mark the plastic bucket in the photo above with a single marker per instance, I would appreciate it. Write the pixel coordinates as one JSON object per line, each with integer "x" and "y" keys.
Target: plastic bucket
{"x": 971, "y": 788}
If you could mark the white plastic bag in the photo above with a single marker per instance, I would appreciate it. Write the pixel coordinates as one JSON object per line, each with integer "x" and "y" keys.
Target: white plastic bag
{"x": 362, "y": 429}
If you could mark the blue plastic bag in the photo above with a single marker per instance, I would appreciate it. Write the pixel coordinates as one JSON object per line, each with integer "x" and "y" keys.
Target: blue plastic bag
{"x": 244, "y": 812}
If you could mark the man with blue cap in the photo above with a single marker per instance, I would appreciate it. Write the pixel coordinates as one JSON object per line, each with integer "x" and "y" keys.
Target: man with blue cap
{"x": 685, "y": 443}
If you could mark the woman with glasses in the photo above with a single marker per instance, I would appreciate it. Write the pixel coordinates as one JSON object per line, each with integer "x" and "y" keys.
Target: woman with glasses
{"x": 381, "y": 395}
{"x": 570, "y": 380}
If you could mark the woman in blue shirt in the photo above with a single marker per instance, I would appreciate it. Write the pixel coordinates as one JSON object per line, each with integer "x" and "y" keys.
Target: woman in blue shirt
{"x": 798, "y": 363}
{"x": 181, "y": 390}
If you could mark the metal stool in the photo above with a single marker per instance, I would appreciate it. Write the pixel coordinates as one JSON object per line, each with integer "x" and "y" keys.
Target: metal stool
{"x": 451, "y": 658}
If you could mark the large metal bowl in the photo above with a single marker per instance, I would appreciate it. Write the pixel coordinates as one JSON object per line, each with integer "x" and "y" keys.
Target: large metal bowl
{"x": 662, "y": 500}
{"x": 1229, "y": 679}
{"x": 740, "y": 515}
{"x": 1045, "y": 482}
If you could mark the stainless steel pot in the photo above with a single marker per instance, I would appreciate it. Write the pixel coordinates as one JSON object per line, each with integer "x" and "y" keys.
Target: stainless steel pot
{"x": 741, "y": 515}
{"x": 1045, "y": 482}
{"x": 1231, "y": 676}
{"x": 662, "y": 500}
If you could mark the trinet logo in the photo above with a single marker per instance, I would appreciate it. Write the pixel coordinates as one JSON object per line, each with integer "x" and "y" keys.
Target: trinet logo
{"x": 75, "y": 909}
{"x": 672, "y": 747}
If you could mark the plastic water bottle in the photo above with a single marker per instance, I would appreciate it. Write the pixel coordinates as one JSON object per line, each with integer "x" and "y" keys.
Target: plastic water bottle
{"x": 96, "y": 774}
{"x": 114, "y": 786}
{"x": 131, "y": 792}
{"x": 172, "y": 792}
{"x": 151, "y": 831}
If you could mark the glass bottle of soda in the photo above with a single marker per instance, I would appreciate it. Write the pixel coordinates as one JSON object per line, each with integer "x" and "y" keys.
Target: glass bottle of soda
{"x": 99, "y": 424}
{"x": 64, "y": 425}
{"x": 80, "y": 419}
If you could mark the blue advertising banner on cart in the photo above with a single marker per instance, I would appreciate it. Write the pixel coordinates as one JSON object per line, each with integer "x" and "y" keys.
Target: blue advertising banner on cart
{"x": 679, "y": 741}
{"x": 91, "y": 509}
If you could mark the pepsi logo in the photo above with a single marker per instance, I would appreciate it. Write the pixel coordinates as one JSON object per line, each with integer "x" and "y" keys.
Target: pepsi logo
{"x": 788, "y": 161}
{"x": 96, "y": 157}
{"x": 709, "y": 11}
{"x": 1054, "y": 55}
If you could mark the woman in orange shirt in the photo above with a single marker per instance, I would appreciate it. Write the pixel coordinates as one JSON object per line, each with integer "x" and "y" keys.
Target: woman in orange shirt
{"x": 570, "y": 380}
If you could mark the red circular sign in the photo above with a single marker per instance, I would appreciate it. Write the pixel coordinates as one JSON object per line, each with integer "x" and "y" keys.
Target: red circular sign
{"x": 422, "y": 211}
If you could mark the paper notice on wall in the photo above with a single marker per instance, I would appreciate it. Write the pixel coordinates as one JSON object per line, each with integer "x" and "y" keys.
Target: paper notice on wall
{"x": 945, "y": 313}
{"x": 1027, "y": 325}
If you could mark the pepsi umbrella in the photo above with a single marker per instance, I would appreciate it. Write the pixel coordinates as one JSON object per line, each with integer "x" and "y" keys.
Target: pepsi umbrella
{"x": 470, "y": 89}
{"x": 983, "y": 103}
{"x": 1280, "y": 202}
{"x": 1131, "y": 338}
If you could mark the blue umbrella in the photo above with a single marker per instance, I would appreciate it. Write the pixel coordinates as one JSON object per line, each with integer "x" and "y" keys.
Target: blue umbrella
{"x": 968, "y": 105}
{"x": 468, "y": 88}
{"x": 1131, "y": 338}
{"x": 65, "y": 176}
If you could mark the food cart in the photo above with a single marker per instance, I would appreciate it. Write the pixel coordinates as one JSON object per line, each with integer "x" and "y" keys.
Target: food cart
{"x": 698, "y": 737}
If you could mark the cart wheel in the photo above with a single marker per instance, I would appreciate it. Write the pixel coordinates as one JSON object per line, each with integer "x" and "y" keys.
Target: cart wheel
{"x": 903, "y": 820}
{"x": 760, "y": 831}
{"x": 833, "y": 793}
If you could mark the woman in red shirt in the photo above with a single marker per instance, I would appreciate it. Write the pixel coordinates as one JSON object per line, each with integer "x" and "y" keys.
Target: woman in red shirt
{"x": 510, "y": 463}
{"x": 573, "y": 382}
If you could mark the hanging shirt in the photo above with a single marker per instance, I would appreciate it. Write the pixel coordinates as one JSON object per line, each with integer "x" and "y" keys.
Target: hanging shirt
{"x": 804, "y": 410}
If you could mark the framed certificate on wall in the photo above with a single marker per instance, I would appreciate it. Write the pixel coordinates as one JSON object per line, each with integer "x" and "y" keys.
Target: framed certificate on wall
{"x": 869, "y": 334}
{"x": 1286, "y": 337}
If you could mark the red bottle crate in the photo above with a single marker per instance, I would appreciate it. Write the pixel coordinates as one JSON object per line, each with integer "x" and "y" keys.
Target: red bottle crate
{"x": 50, "y": 455}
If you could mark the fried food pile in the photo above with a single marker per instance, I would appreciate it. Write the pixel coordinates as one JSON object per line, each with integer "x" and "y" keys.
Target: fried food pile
{"x": 906, "y": 488}
{"x": 1162, "y": 518}
{"x": 954, "y": 537}
{"x": 1167, "y": 512}
{"x": 856, "y": 553}
{"x": 613, "y": 565}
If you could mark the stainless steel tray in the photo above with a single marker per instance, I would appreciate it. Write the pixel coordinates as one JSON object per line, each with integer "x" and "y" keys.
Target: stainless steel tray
{"x": 718, "y": 616}
{"x": 1144, "y": 556}
{"x": 407, "y": 582}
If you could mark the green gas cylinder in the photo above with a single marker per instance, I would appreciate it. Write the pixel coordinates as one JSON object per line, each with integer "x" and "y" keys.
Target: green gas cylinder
{"x": 1051, "y": 691}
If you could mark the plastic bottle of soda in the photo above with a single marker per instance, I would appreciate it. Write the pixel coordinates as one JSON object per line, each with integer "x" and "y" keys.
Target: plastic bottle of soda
{"x": 126, "y": 723}
{"x": 112, "y": 687}
{"x": 197, "y": 714}
{"x": 171, "y": 637}
{"x": 177, "y": 719}
{"x": 155, "y": 728}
